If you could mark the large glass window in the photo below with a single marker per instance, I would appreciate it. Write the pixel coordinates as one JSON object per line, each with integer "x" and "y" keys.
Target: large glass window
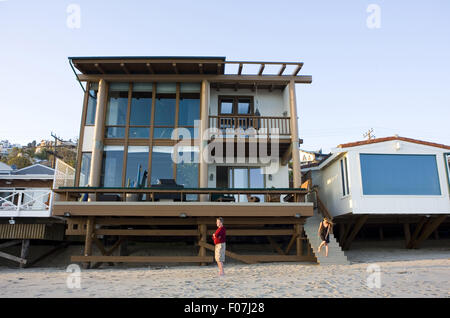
{"x": 85, "y": 169}
{"x": 189, "y": 111}
{"x": 392, "y": 174}
{"x": 137, "y": 166}
{"x": 187, "y": 167}
{"x": 116, "y": 115}
{"x": 165, "y": 109}
{"x": 162, "y": 163}
{"x": 141, "y": 110}
{"x": 112, "y": 166}
{"x": 92, "y": 104}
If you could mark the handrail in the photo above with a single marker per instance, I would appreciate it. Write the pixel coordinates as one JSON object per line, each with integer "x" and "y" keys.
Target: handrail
{"x": 260, "y": 123}
{"x": 70, "y": 193}
{"x": 24, "y": 200}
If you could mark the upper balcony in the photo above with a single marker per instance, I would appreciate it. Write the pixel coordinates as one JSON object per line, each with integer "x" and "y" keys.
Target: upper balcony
{"x": 262, "y": 125}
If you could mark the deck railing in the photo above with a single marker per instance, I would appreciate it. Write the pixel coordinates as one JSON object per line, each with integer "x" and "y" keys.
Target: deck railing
{"x": 36, "y": 202}
{"x": 262, "y": 124}
{"x": 180, "y": 194}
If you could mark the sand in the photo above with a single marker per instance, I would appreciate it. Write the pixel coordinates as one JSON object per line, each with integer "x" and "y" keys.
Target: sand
{"x": 403, "y": 273}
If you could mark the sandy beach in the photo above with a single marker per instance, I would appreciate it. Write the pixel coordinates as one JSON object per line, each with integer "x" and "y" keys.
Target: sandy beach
{"x": 403, "y": 273}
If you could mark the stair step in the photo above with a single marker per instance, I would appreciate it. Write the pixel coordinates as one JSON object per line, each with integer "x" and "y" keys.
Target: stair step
{"x": 335, "y": 253}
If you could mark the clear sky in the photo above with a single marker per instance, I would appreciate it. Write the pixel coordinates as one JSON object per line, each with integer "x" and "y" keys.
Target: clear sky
{"x": 395, "y": 79}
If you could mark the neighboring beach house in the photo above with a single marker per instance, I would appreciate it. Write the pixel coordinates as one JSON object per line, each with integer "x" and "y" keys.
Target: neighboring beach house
{"x": 238, "y": 130}
{"x": 25, "y": 208}
{"x": 392, "y": 182}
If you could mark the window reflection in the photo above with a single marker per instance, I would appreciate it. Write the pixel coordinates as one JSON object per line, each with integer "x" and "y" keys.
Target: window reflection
{"x": 112, "y": 166}
{"x": 137, "y": 166}
{"x": 162, "y": 163}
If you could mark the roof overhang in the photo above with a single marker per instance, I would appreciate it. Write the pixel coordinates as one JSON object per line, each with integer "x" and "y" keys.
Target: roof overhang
{"x": 189, "y": 69}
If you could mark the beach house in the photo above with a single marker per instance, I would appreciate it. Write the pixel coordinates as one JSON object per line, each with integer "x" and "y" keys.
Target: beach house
{"x": 25, "y": 209}
{"x": 169, "y": 143}
{"x": 394, "y": 184}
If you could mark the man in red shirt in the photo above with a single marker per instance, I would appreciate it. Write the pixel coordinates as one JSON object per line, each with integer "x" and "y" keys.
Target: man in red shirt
{"x": 219, "y": 240}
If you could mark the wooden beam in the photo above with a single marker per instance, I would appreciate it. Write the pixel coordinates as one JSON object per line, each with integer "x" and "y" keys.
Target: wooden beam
{"x": 90, "y": 226}
{"x": 219, "y": 68}
{"x": 236, "y": 86}
{"x": 417, "y": 230}
{"x": 431, "y": 226}
{"x": 240, "y": 69}
{"x": 298, "y": 68}
{"x": 275, "y": 246}
{"x": 290, "y": 244}
{"x": 252, "y": 232}
{"x": 358, "y": 225}
{"x": 223, "y": 78}
{"x": 261, "y": 69}
{"x": 283, "y": 67}
{"x": 143, "y": 259}
{"x": 10, "y": 243}
{"x": 406, "y": 230}
{"x": 200, "y": 68}
{"x": 203, "y": 230}
{"x": 299, "y": 242}
{"x": 24, "y": 251}
{"x": 50, "y": 252}
{"x": 174, "y": 65}
{"x": 124, "y": 67}
{"x": 99, "y": 68}
{"x": 13, "y": 258}
{"x": 227, "y": 253}
{"x": 150, "y": 68}
{"x": 136, "y": 232}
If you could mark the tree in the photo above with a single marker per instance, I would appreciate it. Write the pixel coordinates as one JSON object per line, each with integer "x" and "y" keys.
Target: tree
{"x": 19, "y": 161}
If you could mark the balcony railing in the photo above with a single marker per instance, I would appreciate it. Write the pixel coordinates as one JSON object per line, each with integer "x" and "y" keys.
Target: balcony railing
{"x": 262, "y": 124}
{"x": 180, "y": 194}
{"x": 23, "y": 203}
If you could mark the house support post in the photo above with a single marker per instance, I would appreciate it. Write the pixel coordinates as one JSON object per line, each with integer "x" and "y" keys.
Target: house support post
{"x": 90, "y": 225}
{"x": 204, "y": 120}
{"x": 97, "y": 142}
{"x": 202, "y": 228}
{"x": 358, "y": 225}
{"x": 297, "y": 176}
{"x": 24, "y": 251}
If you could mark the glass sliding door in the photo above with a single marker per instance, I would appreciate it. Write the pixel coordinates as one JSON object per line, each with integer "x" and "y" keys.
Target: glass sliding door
{"x": 256, "y": 178}
{"x": 240, "y": 181}
{"x": 246, "y": 178}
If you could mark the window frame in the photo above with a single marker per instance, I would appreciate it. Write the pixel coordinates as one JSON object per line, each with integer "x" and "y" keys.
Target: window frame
{"x": 235, "y": 107}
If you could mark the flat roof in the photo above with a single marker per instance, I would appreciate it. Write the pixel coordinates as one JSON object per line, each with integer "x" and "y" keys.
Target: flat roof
{"x": 176, "y": 65}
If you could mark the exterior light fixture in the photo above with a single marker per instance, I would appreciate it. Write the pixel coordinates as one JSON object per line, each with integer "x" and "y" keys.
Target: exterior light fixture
{"x": 398, "y": 145}
{"x": 183, "y": 215}
{"x": 12, "y": 221}
{"x": 67, "y": 214}
{"x": 297, "y": 215}
{"x": 211, "y": 177}
{"x": 270, "y": 177}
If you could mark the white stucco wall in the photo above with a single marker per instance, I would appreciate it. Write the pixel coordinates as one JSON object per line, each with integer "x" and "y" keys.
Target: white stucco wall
{"x": 330, "y": 189}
